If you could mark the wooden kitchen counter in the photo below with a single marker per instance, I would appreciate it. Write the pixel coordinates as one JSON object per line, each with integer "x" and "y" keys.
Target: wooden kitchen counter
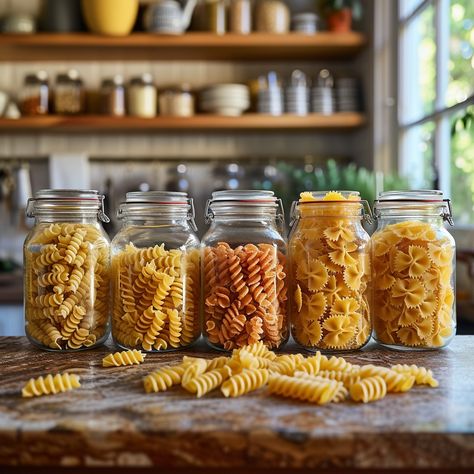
{"x": 110, "y": 422}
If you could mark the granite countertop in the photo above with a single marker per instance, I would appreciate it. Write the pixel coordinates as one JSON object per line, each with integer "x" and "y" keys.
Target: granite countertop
{"x": 111, "y": 422}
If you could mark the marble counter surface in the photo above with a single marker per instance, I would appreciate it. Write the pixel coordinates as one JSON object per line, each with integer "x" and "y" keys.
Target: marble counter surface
{"x": 110, "y": 421}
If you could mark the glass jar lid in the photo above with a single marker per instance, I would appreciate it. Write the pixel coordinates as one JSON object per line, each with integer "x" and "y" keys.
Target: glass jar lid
{"x": 71, "y": 76}
{"x": 145, "y": 79}
{"x": 115, "y": 81}
{"x": 40, "y": 77}
{"x": 165, "y": 204}
{"x": 67, "y": 201}
{"x": 244, "y": 202}
{"x": 419, "y": 200}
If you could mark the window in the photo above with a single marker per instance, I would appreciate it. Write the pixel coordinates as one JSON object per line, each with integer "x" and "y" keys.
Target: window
{"x": 436, "y": 99}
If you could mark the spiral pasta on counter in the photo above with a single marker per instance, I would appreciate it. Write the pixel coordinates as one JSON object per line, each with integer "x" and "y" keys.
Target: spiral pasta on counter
{"x": 245, "y": 295}
{"x": 414, "y": 296}
{"x": 330, "y": 272}
{"x": 50, "y": 385}
{"x": 67, "y": 286}
{"x": 156, "y": 297}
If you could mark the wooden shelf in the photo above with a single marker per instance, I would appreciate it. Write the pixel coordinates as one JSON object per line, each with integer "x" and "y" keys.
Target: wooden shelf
{"x": 198, "y": 123}
{"x": 192, "y": 46}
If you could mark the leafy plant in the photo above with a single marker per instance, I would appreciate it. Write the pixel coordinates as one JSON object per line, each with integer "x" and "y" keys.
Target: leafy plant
{"x": 329, "y": 6}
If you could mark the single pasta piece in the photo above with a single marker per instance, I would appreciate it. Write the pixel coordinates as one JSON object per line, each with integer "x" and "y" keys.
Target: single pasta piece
{"x": 247, "y": 381}
{"x": 396, "y": 382}
{"x": 369, "y": 389}
{"x": 195, "y": 368}
{"x": 123, "y": 358}
{"x": 50, "y": 385}
{"x": 422, "y": 375}
{"x": 315, "y": 391}
{"x": 208, "y": 381}
{"x": 163, "y": 379}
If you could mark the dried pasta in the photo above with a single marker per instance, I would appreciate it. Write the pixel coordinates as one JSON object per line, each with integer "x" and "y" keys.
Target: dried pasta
{"x": 245, "y": 295}
{"x": 131, "y": 357}
{"x": 329, "y": 263}
{"x": 67, "y": 286}
{"x": 50, "y": 385}
{"x": 317, "y": 379}
{"x": 413, "y": 301}
{"x": 156, "y": 297}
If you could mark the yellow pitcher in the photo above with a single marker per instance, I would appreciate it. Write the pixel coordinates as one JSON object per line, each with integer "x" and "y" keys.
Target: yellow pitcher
{"x": 110, "y": 17}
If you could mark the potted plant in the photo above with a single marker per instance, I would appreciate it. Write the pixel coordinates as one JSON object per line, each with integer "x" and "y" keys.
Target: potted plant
{"x": 339, "y": 14}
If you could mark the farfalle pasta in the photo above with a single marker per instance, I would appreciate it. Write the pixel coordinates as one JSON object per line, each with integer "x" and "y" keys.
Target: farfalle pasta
{"x": 330, "y": 272}
{"x": 413, "y": 291}
{"x": 245, "y": 295}
{"x": 156, "y": 297}
{"x": 67, "y": 275}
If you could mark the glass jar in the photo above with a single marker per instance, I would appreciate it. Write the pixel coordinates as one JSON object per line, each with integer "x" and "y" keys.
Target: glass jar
{"x": 156, "y": 273}
{"x": 34, "y": 98}
{"x": 330, "y": 272}
{"x": 273, "y": 16}
{"x": 177, "y": 102}
{"x": 113, "y": 96}
{"x": 69, "y": 95}
{"x": 142, "y": 96}
{"x": 216, "y": 16}
{"x": 66, "y": 260}
{"x": 244, "y": 271}
{"x": 240, "y": 17}
{"x": 413, "y": 268}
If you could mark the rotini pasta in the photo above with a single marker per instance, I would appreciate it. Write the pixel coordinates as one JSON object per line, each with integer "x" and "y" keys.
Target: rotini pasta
{"x": 412, "y": 269}
{"x": 156, "y": 296}
{"x": 67, "y": 290}
{"x": 330, "y": 269}
{"x": 50, "y": 385}
{"x": 247, "y": 381}
{"x": 246, "y": 302}
{"x": 369, "y": 389}
{"x": 123, "y": 358}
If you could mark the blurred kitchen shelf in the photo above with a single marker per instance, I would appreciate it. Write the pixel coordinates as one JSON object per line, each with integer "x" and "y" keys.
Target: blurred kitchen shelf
{"x": 193, "y": 46}
{"x": 247, "y": 122}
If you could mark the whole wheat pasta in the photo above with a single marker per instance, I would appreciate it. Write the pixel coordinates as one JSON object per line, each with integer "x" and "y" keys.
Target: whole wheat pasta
{"x": 245, "y": 297}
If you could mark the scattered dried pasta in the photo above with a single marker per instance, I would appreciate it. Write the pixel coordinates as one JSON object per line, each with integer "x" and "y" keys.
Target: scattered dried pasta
{"x": 50, "y": 385}
{"x": 131, "y": 357}
{"x": 156, "y": 297}
{"x": 245, "y": 295}
{"x": 330, "y": 271}
{"x": 67, "y": 286}
{"x": 412, "y": 274}
{"x": 317, "y": 379}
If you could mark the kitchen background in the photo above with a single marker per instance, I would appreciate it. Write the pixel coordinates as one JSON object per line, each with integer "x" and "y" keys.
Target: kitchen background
{"x": 353, "y": 141}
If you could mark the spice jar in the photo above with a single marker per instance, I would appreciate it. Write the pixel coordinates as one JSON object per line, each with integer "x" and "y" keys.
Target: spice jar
{"x": 413, "y": 267}
{"x": 156, "y": 273}
{"x": 240, "y": 17}
{"x": 142, "y": 100}
{"x": 113, "y": 96}
{"x": 330, "y": 272}
{"x": 66, "y": 259}
{"x": 273, "y": 16}
{"x": 69, "y": 96}
{"x": 177, "y": 102}
{"x": 244, "y": 271}
{"x": 216, "y": 16}
{"x": 34, "y": 98}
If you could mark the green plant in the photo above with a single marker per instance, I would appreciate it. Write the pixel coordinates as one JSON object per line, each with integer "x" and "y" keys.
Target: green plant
{"x": 329, "y": 6}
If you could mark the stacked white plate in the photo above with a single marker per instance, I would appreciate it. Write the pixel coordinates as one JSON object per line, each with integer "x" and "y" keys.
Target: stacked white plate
{"x": 225, "y": 99}
{"x": 347, "y": 94}
{"x": 322, "y": 100}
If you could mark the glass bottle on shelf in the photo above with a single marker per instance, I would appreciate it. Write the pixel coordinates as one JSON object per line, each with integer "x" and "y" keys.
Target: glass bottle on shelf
{"x": 413, "y": 267}
{"x": 330, "y": 272}
{"x": 113, "y": 96}
{"x": 66, "y": 259}
{"x": 156, "y": 273}
{"x": 244, "y": 270}
{"x": 34, "y": 98}
{"x": 142, "y": 96}
{"x": 69, "y": 94}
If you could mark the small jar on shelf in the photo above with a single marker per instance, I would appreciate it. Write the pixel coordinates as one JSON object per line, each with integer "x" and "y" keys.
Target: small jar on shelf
{"x": 330, "y": 272}
{"x": 34, "y": 98}
{"x": 240, "y": 17}
{"x": 413, "y": 267}
{"x": 156, "y": 273}
{"x": 142, "y": 96}
{"x": 177, "y": 102}
{"x": 244, "y": 271}
{"x": 112, "y": 95}
{"x": 272, "y": 16}
{"x": 69, "y": 94}
{"x": 66, "y": 257}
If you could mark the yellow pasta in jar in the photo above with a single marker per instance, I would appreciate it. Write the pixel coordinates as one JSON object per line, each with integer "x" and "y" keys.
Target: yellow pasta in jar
{"x": 330, "y": 267}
